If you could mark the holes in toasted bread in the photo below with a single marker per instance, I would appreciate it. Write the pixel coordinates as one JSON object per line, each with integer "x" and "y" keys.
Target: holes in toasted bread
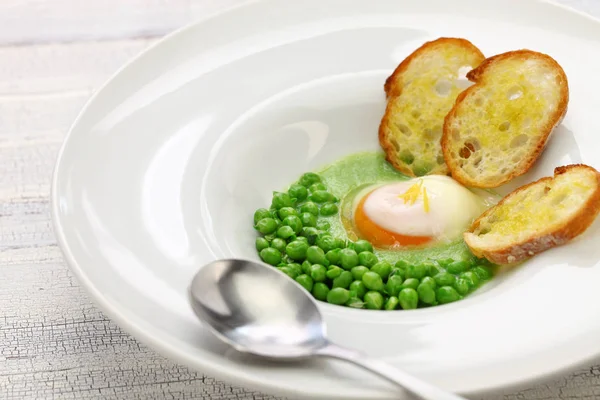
{"x": 546, "y": 189}
{"x": 518, "y": 141}
{"x": 469, "y": 148}
{"x": 464, "y": 152}
{"x": 473, "y": 144}
{"x": 503, "y": 127}
{"x": 440, "y": 160}
{"x": 443, "y": 88}
{"x": 437, "y": 132}
{"x": 526, "y": 122}
{"x": 479, "y": 101}
{"x": 504, "y": 170}
{"x": 395, "y": 144}
{"x": 406, "y": 157}
{"x": 514, "y": 92}
{"x": 404, "y": 129}
{"x": 415, "y": 114}
{"x": 477, "y": 161}
{"x": 421, "y": 168}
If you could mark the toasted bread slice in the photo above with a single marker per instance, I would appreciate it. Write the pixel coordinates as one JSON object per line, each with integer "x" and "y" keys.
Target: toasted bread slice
{"x": 499, "y": 126}
{"x": 420, "y": 93}
{"x": 537, "y": 216}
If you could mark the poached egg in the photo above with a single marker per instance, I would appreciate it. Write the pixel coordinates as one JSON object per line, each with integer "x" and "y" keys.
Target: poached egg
{"x": 416, "y": 212}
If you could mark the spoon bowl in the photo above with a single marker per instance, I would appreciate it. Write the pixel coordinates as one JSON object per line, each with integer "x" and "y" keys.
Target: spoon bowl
{"x": 258, "y": 310}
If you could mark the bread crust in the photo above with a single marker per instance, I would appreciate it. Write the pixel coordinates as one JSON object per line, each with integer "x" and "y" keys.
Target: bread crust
{"x": 476, "y": 76}
{"x": 393, "y": 88}
{"x": 555, "y": 235}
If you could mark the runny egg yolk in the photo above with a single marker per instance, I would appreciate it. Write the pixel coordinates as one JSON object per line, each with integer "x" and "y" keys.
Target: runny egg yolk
{"x": 416, "y": 212}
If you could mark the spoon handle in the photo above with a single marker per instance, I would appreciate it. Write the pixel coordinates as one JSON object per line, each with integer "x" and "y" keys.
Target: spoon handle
{"x": 408, "y": 382}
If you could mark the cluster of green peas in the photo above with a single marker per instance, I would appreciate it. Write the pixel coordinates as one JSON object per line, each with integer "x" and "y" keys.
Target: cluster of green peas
{"x": 295, "y": 239}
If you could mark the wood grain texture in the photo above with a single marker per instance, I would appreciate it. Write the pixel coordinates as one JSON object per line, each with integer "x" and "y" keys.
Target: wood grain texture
{"x": 54, "y": 343}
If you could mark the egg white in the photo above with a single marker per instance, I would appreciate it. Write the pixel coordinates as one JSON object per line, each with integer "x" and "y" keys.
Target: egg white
{"x": 451, "y": 207}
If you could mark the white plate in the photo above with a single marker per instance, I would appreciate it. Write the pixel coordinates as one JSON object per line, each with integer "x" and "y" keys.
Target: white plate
{"x": 164, "y": 167}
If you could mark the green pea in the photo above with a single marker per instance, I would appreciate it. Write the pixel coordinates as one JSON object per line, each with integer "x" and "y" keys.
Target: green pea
{"x": 278, "y": 244}
{"x": 261, "y": 243}
{"x": 294, "y": 222}
{"x": 281, "y": 200}
{"x": 301, "y": 239}
{"x": 340, "y": 243}
{"x": 266, "y": 226}
{"x": 296, "y": 267}
{"x": 288, "y": 271}
{"x": 310, "y": 234}
{"x": 396, "y": 272}
{"x": 410, "y": 283}
{"x": 444, "y": 262}
{"x": 482, "y": 272}
{"x": 391, "y": 303}
{"x": 297, "y": 191}
{"x": 316, "y": 255}
{"x": 318, "y": 273}
{"x": 270, "y": 256}
{"x": 308, "y": 219}
{"x": 447, "y": 294}
{"x": 334, "y": 271}
{"x": 362, "y": 245}
{"x": 320, "y": 291}
{"x": 426, "y": 293}
{"x": 471, "y": 279}
{"x": 383, "y": 268}
{"x": 310, "y": 207}
{"x": 309, "y": 178}
{"x": 270, "y": 237}
{"x": 334, "y": 256}
{"x": 343, "y": 280}
{"x": 435, "y": 268}
{"x": 359, "y": 288}
{"x": 321, "y": 196}
{"x": 444, "y": 279}
{"x": 418, "y": 271}
{"x": 348, "y": 258}
{"x": 285, "y": 232}
{"x": 317, "y": 186}
{"x": 461, "y": 286}
{"x": 355, "y": 302}
{"x": 367, "y": 258}
{"x": 359, "y": 271}
{"x": 409, "y": 299}
{"x": 373, "y": 300}
{"x": 394, "y": 285}
{"x": 338, "y": 296}
{"x": 326, "y": 242}
{"x": 296, "y": 250}
{"x": 429, "y": 281}
{"x": 402, "y": 265}
{"x": 260, "y": 214}
{"x": 306, "y": 267}
{"x": 372, "y": 281}
{"x": 286, "y": 212}
{"x": 457, "y": 267}
{"x": 306, "y": 282}
{"x": 323, "y": 225}
{"x": 328, "y": 209}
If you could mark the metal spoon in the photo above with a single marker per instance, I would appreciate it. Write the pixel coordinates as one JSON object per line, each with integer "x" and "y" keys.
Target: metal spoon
{"x": 258, "y": 310}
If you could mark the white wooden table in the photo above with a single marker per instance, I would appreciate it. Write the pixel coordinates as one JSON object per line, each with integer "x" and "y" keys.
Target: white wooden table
{"x": 54, "y": 343}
